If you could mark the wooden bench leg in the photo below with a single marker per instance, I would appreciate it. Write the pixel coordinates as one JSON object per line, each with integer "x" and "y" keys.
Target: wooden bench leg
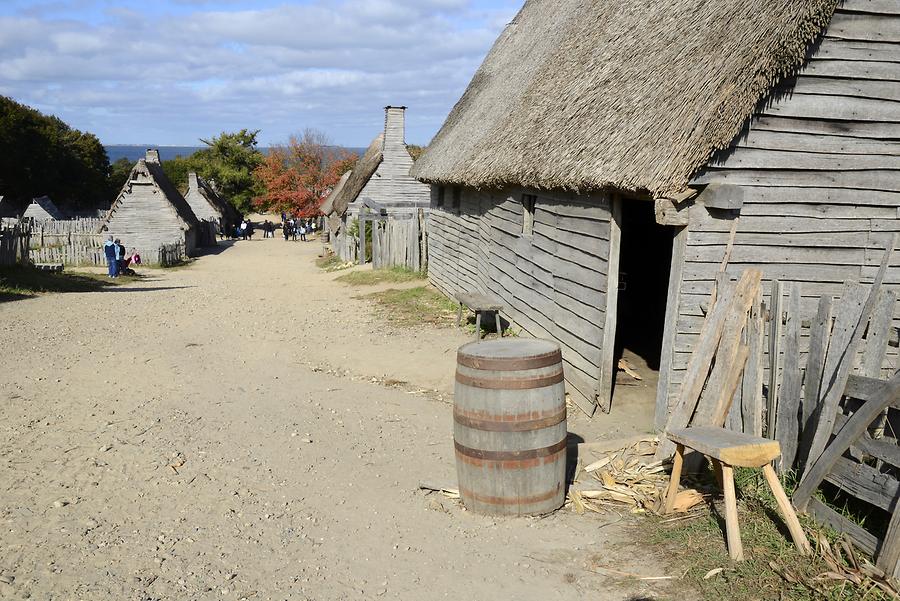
{"x": 459, "y": 315}
{"x": 787, "y": 511}
{"x": 477, "y": 325}
{"x": 732, "y": 529}
{"x": 672, "y": 492}
{"x": 497, "y": 322}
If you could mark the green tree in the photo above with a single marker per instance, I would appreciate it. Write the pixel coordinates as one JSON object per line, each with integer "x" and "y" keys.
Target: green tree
{"x": 230, "y": 159}
{"x": 43, "y": 155}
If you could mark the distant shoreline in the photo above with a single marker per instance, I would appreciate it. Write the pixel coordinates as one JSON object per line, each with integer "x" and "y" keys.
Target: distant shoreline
{"x": 133, "y": 152}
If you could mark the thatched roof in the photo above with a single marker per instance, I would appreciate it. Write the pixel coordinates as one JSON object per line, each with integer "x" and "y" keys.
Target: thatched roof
{"x": 359, "y": 176}
{"x": 636, "y": 95}
{"x": 42, "y": 208}
{"x": 327, "y": 206}
{"x": 154, "y": 170}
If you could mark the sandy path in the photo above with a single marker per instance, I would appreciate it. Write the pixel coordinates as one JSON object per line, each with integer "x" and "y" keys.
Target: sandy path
{"x": 171, "y": 440}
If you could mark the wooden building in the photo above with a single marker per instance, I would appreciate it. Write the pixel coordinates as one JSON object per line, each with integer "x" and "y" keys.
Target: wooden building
{"x": 382, "y": 174}
{"x": 43, "y": 209}
{"x": 593, "y": 171}
{"x": 208, "y": 205}
{"x": 150, "y": 213}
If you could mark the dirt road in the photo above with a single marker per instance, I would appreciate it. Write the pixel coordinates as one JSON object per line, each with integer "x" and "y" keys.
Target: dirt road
{"x": 195, "y": 436}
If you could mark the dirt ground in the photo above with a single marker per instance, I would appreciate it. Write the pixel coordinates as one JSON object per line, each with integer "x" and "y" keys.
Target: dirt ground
{"x": 222, "y": 431}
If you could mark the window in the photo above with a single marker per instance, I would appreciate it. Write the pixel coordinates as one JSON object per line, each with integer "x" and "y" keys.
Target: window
{"x": 457, "y": 195}
{"x": 440, "y": 197}
{"x": 528, "y": 201}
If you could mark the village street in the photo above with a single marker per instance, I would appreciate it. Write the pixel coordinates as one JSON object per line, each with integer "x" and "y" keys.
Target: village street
{"x": 214, "y": 432}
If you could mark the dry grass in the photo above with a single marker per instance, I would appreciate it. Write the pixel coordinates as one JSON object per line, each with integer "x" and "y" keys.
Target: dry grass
{"x": 332, "y": 263}
{"x": 414, "y": 306}
{"x": 393, "y": 275}
{"x": 773, "y": 569}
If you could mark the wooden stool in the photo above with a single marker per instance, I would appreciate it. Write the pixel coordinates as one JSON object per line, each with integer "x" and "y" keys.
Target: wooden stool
{"x": 479, "y": 303}
{"x": 728, "y": 450}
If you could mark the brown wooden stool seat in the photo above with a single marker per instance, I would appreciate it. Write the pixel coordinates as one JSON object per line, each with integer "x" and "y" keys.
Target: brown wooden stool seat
{"x": 728, "y": 450}
{"x": 479, "y": 303}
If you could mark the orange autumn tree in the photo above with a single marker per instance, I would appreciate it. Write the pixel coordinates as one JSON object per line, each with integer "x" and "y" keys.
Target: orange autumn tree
{"x": 297, "y": 177}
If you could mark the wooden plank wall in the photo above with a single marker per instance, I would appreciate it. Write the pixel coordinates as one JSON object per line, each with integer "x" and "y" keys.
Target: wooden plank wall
{"x": 146, "y": 220}
{"x": 553, "y": 282}
{"x": 819, "y": 166}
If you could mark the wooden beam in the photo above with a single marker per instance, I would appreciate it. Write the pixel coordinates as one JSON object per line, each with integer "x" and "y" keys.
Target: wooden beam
{"x": 607, "y": 369}
{"x": 853, "y": 429}
{"x": 775, "y": 326}
{"x": 788, "y": 415}
{"x": 670, "y": 329}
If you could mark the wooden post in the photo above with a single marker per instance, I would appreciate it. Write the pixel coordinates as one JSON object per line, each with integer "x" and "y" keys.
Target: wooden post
{"x": 361, "y": 220}
{"x": 751, "y": 393}
{"x": 774, "y": 356}
{"x": 670, "y": 331}
{"x": 819, "y": 335}
{"x": 607, "y": 350}
{"x": 788, "y": 405}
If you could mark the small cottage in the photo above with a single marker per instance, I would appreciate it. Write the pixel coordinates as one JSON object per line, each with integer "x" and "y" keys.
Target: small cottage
{"x": 333, "y": 221}
{"x": 209, "y": 206}
{"x": 593, "y": 172}
{"x": 150, "y": 213}
{"x": 43, "y": 209}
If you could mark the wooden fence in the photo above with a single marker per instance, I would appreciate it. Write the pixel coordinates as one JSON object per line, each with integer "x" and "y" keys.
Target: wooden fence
{"x": 70, "y": 254}
{"x": 14, "y": 241}
{"x": 398, "y": 243}
{"x": 346, "y": 247}
{"x": 171, "y": 254}
{"x": 820, "y": 390}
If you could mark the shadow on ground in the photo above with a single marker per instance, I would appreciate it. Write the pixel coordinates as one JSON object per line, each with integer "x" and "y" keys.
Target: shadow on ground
{"x": 19, "y": 283}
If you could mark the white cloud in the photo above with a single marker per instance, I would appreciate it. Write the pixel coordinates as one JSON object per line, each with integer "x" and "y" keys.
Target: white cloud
{"x": 187, "y": 71}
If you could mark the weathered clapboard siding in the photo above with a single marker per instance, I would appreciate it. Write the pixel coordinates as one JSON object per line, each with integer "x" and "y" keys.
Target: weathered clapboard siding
{"x": 145, "y": 215}
{"x": 820, "y": 177}
{"x": 552, "y": 281}
{"x": 391, "y": 185}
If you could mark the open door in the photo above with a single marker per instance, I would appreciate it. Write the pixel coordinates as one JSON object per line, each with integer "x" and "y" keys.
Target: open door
{"x": 638, "y": 300}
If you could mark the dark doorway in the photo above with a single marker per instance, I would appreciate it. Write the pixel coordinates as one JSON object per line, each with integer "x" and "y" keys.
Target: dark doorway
{"x": 645, "y": 259}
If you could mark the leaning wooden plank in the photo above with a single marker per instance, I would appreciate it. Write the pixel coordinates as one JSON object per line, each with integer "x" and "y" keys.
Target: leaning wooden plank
{"x": 723, "y": 382}
{"x": 864, "y": 482}
{"x": 701, "y": 359}
{"x": 876, "y": 346}
{"x": 819, "y": 335}
{"x": 788, "y": 412}
{"x": 775, "y": 326}
{"x": 889, "y": 556}
{"x": 842, "y": 351}
{"x": 863, "y": 539}
{"x": 849, "y": 311}
{"x": 751, "y": 392}
{"x": 731, "y": 356}
{"x": 853, "y": 429}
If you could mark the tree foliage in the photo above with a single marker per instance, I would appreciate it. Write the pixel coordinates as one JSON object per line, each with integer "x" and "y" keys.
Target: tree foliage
{"x": 229, "y": 159}
{"x": 298, "y": 176}
{"x": 42, "y": 155}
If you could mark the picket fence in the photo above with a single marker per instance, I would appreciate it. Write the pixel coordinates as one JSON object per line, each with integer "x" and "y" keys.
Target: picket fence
{"x": 397, "y": 243}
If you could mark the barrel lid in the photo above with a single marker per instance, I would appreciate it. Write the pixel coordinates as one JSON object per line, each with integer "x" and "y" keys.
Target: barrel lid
{"x": 509, "y": 354}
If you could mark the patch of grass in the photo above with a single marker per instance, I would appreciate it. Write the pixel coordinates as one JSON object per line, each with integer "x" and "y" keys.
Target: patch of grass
{"x": 414, "y": 306}
{"x": 23, "y": 282}
{"x": 698, "y": 546}
{"x": 332, "y": 263}
{"x": 392, "y": 275}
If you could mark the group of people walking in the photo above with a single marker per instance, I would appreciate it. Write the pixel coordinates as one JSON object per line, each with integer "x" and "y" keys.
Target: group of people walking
{"x": 116, "y": 259}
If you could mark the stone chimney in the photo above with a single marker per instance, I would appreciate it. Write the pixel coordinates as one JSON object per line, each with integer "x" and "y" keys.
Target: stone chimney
{"x": 152, "y": 155}
{"x": 193, "y": 184}
{"x": 394, "y": 126}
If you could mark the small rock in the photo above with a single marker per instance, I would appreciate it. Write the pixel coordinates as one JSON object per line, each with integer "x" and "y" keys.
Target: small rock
{"x": 60, "y": 503}
{"x": 105, "y": 448}
{"x": 7, "y": 578}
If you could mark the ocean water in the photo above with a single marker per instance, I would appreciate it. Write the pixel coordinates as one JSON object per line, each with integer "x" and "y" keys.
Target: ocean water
{"x": 134, "y": 152}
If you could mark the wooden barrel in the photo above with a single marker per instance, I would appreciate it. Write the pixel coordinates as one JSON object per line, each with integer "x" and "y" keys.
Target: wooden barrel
{"x": 509, "y": 427}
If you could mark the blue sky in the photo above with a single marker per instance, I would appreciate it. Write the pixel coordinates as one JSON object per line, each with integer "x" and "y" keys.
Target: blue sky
{"x": 172, "y": 71}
